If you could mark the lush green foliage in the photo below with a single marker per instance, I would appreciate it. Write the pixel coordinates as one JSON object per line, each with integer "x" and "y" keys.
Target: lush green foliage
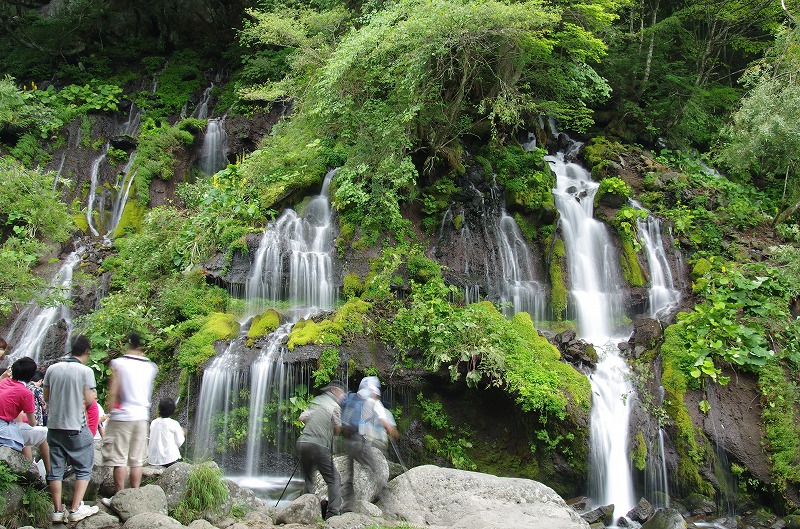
{"x": 615, "y": 186}
{"x": 448, "y": 442}
{"x": 155, "y": 156}
{"x": 30, "y": 215}
{"x": 327, "y": 367}
{"x": 206, "y": 494}
{"x": 263, "y": 323}
{"x": 779, "y": 402}
{"x": 527, "y": 180}
{"x": 199, "y": 347}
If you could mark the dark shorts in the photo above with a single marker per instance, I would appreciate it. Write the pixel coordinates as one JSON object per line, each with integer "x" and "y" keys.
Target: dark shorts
{"x": 70, "y": 447}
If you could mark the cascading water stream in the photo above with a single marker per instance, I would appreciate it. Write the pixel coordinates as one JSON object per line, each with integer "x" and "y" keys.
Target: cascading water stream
{"x": 215, "y": 145}
{"x": 662, "y": 294}
{"x": 201, "y": 112}
{"x": 597, "y": 295}
{"x": 293, "y": 264}
{"x": 94, "y": 178}
{"x": 39, "y": 320}
{"x": 124, "y": 190}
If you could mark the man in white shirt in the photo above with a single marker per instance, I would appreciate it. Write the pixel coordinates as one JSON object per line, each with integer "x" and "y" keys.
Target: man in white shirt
{"x": 128, "y": 407}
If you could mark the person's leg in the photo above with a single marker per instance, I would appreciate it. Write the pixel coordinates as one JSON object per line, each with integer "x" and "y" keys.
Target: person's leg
{"x": 58, "y": 462}
{"x": 331, "y": 476}
{"x": 27, "y": 452}
{"x": 115, "y": 451}
{"x": 352, "y": 448}
{"x": 44, "y": 453}
{"x": 78, "y": 492}
{"x": 55, "y": 493}
{"x": 306, "y": 466}
{"x": 81, "y": 452}
{"x": 137, "y": 452}
{"x": 120, "y": 475}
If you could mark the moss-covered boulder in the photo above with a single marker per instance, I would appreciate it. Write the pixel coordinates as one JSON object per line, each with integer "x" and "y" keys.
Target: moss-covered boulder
{"x": 264, "y": 323}
{"x": 199, "y": 347}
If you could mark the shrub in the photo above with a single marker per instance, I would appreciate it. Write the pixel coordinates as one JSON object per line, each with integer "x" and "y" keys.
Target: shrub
{"x": 206, "y": 494}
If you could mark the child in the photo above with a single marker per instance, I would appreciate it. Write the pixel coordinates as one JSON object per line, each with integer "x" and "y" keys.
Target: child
{"x": 166, "y": 436}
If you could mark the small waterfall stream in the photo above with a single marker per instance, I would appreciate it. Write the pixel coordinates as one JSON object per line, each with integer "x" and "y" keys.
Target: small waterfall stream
{"x": 597, "y": 295}
{"x": 30, "y": 329}
{"x": 93, "y": 179}
{"x": 293, "y": 264}
{"x": 215, "y": 145}
{"x": 662, "y": 294}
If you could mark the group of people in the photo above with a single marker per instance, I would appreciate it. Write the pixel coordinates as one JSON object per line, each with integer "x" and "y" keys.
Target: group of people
{"x": 322, "y": 423}
{"x": 67, "y": 397}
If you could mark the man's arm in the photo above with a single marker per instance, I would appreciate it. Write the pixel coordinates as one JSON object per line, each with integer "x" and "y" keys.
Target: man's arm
{"x": 113, "y": 392}
{"x": 89, "y": 395}
{"x": 46, "y": 393}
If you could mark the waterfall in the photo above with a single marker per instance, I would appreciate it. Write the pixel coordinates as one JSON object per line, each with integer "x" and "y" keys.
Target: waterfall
{"x": 215, "y": 145}
{"x": 60, "y": 169}
{"x": 597, "y": 295}
{"x": 123, "y": 190}
{"x": 508, "y": 269}
{"x": 292, "y": 264}
{"x": 39, "y": 320}
{"x": 201, "y": 112}
{"x": 94, "y": 178}
{"x": 662, "y": 294}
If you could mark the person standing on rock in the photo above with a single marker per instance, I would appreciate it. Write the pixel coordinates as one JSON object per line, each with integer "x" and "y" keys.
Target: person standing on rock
{"x": 129, "y": 391}
{"x": 364, "y": 445}
{"x": 322, "y": 421}
{"x": 68, "y": 386}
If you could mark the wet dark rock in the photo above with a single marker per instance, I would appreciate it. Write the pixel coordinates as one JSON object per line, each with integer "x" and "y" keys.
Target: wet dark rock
{"x": 574, "y": 351}
{"x": 699, "y": 504}
{"x": 126, "y": 142}
{"x": 665, "y": 519}
{"x": 604, "y": 514}
{"x": 642, "y": 512}
{"x": 579, "y": 504}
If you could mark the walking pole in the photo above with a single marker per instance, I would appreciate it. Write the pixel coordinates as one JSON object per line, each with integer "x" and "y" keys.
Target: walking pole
{"x": 287, "y": 483}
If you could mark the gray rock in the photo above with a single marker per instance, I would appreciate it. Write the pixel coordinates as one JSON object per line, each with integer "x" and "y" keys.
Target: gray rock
{"x": 352, "y": 520}
{"x": 304, "y": 510}
{"x": 173, "y": 481}
{"x": 365, "y": 487}
{"x": 665, "y": 519}
{"x": 642, "y": 512}
{"x": 430, "y": 495}
{"x": 201, "y": 524}
{"x": 12, "y": 498}
{"x": 579, "y": 504}
{"x": 130, "y": 502}
{"x": 152, "y": 520}
{"x": 19, "y": 465}
{"x": 101, "y": 520}
{"x": 365, "y": 507}
{"x": 604, "y": 514}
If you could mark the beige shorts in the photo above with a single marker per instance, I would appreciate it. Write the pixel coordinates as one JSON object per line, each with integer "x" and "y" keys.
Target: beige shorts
{"x": 125, "y": 443}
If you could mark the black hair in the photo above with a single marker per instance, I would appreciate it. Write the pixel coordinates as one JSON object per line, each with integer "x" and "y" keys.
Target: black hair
{"x": 80, "y": 345}
{"x": 135, "y": 340}
{"x": 166, "y": 407}
{"x": 37, "y": 376}
{"x": 23, "y": 369}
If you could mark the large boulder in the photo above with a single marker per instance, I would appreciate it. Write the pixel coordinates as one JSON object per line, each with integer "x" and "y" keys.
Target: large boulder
{"x": 642, "y": 512}
{"x": 430, "y": 495}
{"x": 19, "y": 465}
{"x": 305, "y": 510}
{"x": 173, "y": 482}
{"x": 152, "y": 520}
{"x": 666, "y": 519}
{"x": 101, "y": 520}
{"x": 130, "y": 502}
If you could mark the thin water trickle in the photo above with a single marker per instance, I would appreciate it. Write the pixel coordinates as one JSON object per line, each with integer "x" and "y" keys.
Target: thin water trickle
{"x": 36, "y": 321}
{"x": 123, "y": 191}
{"x": 662, "y": 294}
{"x": 93, "y": 181}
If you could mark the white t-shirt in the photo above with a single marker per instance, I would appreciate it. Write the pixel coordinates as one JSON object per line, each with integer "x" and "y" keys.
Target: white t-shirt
{"x": 166, "y": 436}
{"x": 102, "y": 424}
{"x": 135, "y": 376}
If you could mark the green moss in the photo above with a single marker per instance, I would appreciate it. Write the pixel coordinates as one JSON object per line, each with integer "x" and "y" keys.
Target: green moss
{"x": 629, "y": 262}
{"x": 348, "y": 319}
{"x": 527, "y": 179}
{"x": 132, "y": 217}
{"x": 639, "y": 451}
{"x": 600, "y": 149}
{"x": 198, "y": 348}
{"x": 264, "y": 323}
{"x": 353, "y": 286}
{"x": 327, "y": 366}
{"x": 421, "y": 269}
{"x": 527, "y": 227}
{"x": 536, "y": 375}
{"x": 701, "y": 268}
{"x": 458, "y": 222}
{"x": 558, "y": 292}
{"x": 80, "y": 222}
{"x": 688, "y": 440}
{"x": 779, "y": 404}
{"x": 615, "y": 187}
{"x": 603, "y": 170}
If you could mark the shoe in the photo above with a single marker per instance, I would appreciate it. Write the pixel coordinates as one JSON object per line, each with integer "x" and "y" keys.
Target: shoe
{"x": 57, "y": 517}
{"x": 84, "y": 511}
{"x": 106, "y": 502}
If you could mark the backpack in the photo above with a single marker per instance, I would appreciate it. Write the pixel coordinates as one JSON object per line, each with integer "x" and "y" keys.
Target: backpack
{"x": 351, "y": 414}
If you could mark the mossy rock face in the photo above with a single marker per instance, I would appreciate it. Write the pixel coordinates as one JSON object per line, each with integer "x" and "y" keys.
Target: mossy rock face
{"x": 199, "y": 347}
{"x": 80, "y": 222}
{"x": 264, "y": 323}
{"x": 600, "y": 149}
{"x": 701, "y": 268}
{"x": 629, "y": 262}
{"x": 558, "y": 292}
{"x": 132, "y": 217}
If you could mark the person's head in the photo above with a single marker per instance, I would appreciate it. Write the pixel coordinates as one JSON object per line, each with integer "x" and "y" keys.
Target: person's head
{"x": 336, "y": 388}
{"x": 371, "y": 383}
{"x": 23, "y": 369}
{"x": 3, "y": 347}
{"x": 166, "y": 407}
{"x": 135, "y": 340}
{"x": 80, "y": 346}
{"x": 37, "y": 378}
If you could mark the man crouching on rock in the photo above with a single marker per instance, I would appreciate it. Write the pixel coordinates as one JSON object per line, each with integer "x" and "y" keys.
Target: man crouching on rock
{"x": 322, "y": 421}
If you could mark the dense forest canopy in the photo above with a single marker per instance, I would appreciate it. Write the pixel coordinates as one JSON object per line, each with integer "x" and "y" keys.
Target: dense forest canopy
{"x": 406, "y": 97}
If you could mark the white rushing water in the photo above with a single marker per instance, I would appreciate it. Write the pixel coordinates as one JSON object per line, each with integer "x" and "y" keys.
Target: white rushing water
{"x": 213, "y": 154}
{"x": 662, "y": 294}
{"x": 28, "y": 332}
{"x": 597, "y": 299}
{"x": 293, "y": 265}
{"x": 93, "y": 181}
